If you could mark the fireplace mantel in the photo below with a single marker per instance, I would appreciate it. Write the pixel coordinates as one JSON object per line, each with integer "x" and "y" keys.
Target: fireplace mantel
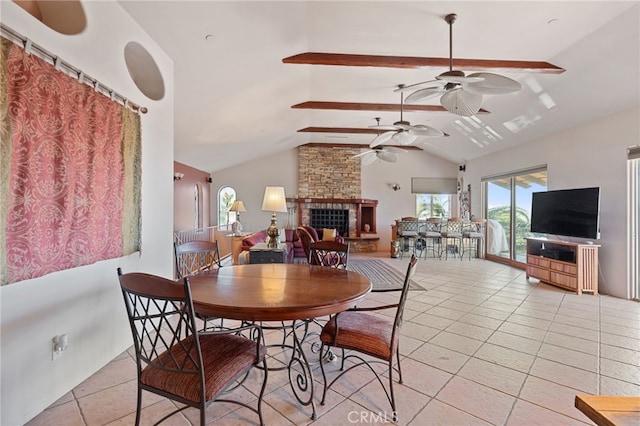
{"x": 332, "y": 200}
{"x": 363, "y": 209}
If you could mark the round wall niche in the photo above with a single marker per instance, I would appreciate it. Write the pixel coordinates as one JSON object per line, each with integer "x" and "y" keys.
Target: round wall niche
{"x": 63, "y": 16}
{"x": 144, "y": 71}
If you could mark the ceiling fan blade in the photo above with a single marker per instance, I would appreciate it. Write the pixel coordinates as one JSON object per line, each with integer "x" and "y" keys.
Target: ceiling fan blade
{"x": 424, "y": 85}
{"x": 387, "y": 156}
{"x": 379, "y": 140}
{"x": 422, "y": 94}
{"x": 371, "y": 158}
{"x": 428, "y": 131}
{"x": 404, "y": 137}
{"x": 395, "y": 150}
{"x": 363, "y": 153}
{"x": 385, "y": 127}
{"x": 492, "y": 84}
{"x": 461, "y": 102}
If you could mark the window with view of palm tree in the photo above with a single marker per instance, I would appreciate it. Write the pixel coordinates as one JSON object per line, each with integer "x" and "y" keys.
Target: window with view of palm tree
{"x": 433, "y": 205}
{"x": 226, "y": 197}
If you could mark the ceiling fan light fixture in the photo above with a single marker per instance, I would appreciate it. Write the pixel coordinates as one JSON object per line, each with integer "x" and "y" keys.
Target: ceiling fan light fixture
{"x": 387, "y": 156}
{"x": 404, "y": 138}
{"x": 461, "y": 102}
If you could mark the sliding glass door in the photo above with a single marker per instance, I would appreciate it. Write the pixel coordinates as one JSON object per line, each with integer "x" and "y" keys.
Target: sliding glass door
{"x": 508, "y": 210}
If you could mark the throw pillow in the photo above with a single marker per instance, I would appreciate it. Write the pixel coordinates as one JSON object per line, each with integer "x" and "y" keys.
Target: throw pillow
{"x": 328, "y": 234}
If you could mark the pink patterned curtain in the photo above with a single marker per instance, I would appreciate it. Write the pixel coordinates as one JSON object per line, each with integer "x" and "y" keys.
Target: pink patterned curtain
{"x": 70, "y": 191}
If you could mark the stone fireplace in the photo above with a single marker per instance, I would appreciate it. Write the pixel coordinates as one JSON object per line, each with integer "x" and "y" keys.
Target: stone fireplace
{"x": 329, "y": 184}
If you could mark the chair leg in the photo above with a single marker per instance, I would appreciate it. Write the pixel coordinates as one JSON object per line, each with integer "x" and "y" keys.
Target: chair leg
{"x": 324, "y": 376}
{"x": 139, "y": 405}
{"x": 399, "y": 369}
{"x": 391, "y": 394}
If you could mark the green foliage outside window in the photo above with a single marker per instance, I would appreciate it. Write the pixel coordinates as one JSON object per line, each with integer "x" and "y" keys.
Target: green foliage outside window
{"x": 433, "y": 205}
{"x": 502, "y": 214}
{"x": 227, "y": 197}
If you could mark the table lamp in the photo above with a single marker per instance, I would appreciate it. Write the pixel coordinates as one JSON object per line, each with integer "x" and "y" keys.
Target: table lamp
{"x": 274, "y": 201}
{"x": 237, "y": 207}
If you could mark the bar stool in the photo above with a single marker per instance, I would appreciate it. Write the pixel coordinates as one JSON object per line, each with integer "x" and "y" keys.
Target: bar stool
{"x": 473, "y": 237}
{"x": 452, "y": 236}
{"x": 431, "y": 234}
{"x": 407, "y": 234}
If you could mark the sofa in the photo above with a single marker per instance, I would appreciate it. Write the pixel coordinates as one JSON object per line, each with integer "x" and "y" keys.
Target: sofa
{"x": 295, "y": 252}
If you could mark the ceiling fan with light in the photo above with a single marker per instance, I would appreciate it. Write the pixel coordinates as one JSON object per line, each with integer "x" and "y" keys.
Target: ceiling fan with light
{"x": 460, "y": 94}
{"x": 402, "y": 132}
{"x": 384, "y": 153}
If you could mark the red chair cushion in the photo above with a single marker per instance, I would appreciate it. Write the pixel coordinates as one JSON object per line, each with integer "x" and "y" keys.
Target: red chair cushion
{"x": 362, "y": 332}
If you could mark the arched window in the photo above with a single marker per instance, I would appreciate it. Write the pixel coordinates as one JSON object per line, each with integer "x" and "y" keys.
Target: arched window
{"x": 226, "y": 197}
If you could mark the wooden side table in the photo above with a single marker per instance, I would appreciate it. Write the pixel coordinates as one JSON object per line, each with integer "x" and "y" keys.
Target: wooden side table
{"x": 262, "y": 253}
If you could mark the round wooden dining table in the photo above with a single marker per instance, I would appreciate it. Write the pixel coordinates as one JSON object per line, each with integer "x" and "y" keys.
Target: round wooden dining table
{"x": 280, "y": 292}
{"x": 276, "y": 292}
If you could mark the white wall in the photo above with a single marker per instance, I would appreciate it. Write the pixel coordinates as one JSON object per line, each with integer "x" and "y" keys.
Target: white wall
{"x": 249, "y": 180}
{"x": 86, "y": 302}
{"x": 594, "y": 154}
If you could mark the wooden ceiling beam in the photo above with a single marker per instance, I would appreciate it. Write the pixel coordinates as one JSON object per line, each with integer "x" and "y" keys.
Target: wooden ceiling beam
{"x": 364, "y": 106}
{"x": 353, "y": 145}
{"x": 412, "y": 62}
{"x": 352, "y": 130}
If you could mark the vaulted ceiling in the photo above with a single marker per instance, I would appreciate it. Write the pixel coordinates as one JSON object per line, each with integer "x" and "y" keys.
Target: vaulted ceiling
{"x": 241, "y": 91}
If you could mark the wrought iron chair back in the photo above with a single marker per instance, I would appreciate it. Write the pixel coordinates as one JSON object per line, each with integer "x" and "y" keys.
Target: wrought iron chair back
{"x": 329, "y": 253}
{"x": 194, "y": 257}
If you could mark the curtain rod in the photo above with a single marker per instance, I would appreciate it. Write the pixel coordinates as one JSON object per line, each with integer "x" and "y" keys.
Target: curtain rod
{"x": 70, "y": 70}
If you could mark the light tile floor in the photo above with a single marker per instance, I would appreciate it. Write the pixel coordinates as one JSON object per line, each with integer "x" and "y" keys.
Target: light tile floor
{"x": 481, "y": 345}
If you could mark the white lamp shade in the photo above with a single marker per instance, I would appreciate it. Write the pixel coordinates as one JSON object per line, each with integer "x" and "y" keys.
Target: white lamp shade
{"x": 274, "y": 199}
{"x": 237, "y": 206}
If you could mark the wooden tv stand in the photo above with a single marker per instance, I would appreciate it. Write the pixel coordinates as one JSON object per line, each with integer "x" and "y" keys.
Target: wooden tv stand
{"x": 572, "y": 266}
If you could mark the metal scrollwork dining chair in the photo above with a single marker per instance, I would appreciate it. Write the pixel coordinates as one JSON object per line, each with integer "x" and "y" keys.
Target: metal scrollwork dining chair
{"x": 177, "y": 361}
{"x": 193, "y": 258}
{"x": 368, "y": 338}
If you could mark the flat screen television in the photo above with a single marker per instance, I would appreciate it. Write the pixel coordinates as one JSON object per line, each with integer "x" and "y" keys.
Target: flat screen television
{"x": 567, "y": 212}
